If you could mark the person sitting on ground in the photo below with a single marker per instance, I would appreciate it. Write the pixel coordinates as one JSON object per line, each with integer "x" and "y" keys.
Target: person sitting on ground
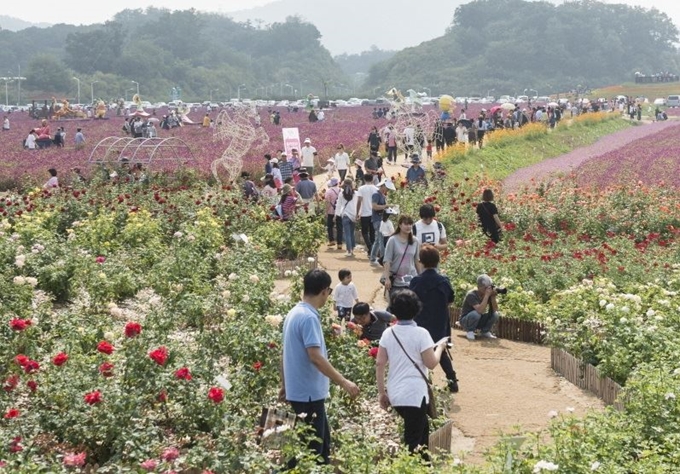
{"x": 373, "y": 322}
{"x": 480, "y": 309}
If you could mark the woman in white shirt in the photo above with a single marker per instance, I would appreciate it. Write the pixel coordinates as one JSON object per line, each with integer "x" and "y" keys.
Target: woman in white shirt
{"x": 346, "y": 208}
{"x": 269, "y": 191}
{"x": 341, "y": 161}
{"x": 403, "y": 347}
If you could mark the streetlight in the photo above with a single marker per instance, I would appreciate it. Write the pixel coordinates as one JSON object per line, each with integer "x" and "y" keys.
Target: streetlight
{"x": 488, "y": 93}
{"x": 78, "y": 88}
{"x": 211, "y": 91}
{"x": 92, "y": 89}
{"x": 126, "y": 92}
{"x": 7, "y": 81}
{"x": 242, "y": 86}
{"x": 137, "y": 84}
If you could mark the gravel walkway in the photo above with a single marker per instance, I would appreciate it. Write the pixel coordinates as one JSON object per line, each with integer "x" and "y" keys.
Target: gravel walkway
{"x": 570, "y": 161}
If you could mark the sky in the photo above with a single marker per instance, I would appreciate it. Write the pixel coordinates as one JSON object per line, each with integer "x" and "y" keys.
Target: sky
{"x": 86, "y": 12}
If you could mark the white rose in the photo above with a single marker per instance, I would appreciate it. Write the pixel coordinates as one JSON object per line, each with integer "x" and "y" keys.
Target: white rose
{"x": 19, "y": 280}
{"x": 245, "y": 298}
{"x": 311, "y": 259}
{"x": 625, "y": 309}
{"x": 609, "y": 307}
{"x": 274, "y": 320}
{"x": 287, "y": 273}
{"x": 233, "y": 276}
{"x": 231, "y": 312}
{"x": 603, "y": 303}
{"x": 254, "y": 278}
{"x": 650, "y": 312}
{"x": 32, "y": 281}
{"x": 595, "y": 466}
{"x": 177, "y": 235}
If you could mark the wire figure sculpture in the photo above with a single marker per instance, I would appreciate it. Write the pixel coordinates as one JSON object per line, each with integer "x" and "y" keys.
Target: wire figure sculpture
{"x": 412, "y": 123}
{"x": 239, "y": 128}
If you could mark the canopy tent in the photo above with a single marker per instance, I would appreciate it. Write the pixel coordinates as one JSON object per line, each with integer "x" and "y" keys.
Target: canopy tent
{"x": 114, "y": 150}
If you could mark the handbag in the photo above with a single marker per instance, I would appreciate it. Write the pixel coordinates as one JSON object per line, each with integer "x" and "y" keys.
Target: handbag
{"x": 432, "y": 406}
{"x": 393, "y": 275}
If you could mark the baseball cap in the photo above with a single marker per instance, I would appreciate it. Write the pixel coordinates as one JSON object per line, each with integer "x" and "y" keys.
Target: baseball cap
{"x": 274, "y": 160}
{"x": 388, "y": 184}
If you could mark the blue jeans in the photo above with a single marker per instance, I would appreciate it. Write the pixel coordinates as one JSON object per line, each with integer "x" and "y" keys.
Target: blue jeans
{"x": 378, "y": 249}
{"x": 348, "y": 231}
{"x": 473, "y": 321}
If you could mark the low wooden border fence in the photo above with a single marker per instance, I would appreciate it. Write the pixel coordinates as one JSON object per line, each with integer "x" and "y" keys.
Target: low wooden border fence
{"x": 510, "y": 328}
{"x": 585, "y": 376}
{"x": 302, "y": 264}
{"x": 440, "y": 439}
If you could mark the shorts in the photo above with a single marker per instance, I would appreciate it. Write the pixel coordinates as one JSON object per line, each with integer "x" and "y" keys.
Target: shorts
{"x": 344, "y": 313}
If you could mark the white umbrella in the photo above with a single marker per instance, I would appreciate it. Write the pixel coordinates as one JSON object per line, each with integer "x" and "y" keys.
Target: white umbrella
{"x": 154, "y": 120}
{"x": 553, "y": 104}
{"x": 508, "y": 106}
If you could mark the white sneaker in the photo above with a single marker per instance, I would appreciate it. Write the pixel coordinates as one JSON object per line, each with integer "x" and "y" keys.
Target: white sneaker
{"x": 349, "y": 254}
{"x": 374, "y": 263}
{"x": 470, "y": 335}
{"x": 488, "y": 335}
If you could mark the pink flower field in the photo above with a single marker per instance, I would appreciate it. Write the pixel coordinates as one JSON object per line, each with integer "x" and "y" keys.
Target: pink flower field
{"x": 650, "y": 160}
{"x": 349, "y": 126}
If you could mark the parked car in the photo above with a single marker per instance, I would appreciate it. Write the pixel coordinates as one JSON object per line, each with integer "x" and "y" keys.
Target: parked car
{"x": 673, "y": 101}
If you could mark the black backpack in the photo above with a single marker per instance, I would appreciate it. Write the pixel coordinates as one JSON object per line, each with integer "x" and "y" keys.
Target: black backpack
{"x": 439, "y": 226}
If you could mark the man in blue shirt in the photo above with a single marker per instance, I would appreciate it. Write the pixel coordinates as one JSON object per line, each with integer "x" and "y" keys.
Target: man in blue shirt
{"x": 306, "y": 369}
{"x": 416, "y": 173}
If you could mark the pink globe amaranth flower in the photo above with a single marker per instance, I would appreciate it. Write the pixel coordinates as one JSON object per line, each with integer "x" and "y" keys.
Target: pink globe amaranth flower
{"x": 132, "y": 329}
{"x": 170, "y": 454}
{"x": 149, "y": 465}
{"x": 74, "y": 460}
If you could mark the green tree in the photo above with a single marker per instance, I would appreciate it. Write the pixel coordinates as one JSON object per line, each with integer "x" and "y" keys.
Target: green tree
{"x": 48, "y": 74}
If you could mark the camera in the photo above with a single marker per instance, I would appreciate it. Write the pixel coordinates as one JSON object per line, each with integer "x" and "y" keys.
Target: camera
{"x": 499, "y": 290}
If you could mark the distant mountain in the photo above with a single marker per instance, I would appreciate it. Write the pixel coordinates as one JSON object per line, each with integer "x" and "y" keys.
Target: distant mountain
{"x": 353, "y": 26}
{"x": 15, "y": 24}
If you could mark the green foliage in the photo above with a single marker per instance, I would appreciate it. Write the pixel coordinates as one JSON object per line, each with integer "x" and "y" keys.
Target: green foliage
{"x": 510, "y": 45}
{"x": 47, "y": 73}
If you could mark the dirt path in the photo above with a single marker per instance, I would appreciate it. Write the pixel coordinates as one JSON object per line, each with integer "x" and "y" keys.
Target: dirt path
{"x": 503, "y": 384}
{"x": 566, "y": 163}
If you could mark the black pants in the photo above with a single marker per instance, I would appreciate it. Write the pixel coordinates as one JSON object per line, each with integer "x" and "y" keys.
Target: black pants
{"x": 367, "y": 232}
{"x": 330, "y": 227}
{"x": 338, "y": 230}
{"x": 416, "y": 427}
{"x": 447, "y": 366}
{"x": 392, "y": 154}
{"x": 316, "y": 417}
{"x": 342, "y": 174}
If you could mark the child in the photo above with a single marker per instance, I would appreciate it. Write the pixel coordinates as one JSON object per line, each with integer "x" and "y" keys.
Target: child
{"x": 345, "y": 295}
{"x": 330, "y": 168}
{"x": 428, "y": 149}
{"x": 386, "y": 231}
{"x": 359, "y": 172}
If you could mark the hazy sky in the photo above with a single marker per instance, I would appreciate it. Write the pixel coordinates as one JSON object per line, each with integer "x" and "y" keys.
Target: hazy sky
{"x": 86, "y": 12}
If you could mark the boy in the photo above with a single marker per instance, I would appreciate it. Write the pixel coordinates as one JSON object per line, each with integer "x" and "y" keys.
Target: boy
{"x": 345, "y": 295}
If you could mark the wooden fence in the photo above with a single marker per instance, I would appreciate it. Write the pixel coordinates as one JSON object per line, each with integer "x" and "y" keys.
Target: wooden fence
{"x": 510, "y": 328}
{"x": 301, "y": 264}
{"x": 586, "y": 377}
{"x": 440, "y": 439}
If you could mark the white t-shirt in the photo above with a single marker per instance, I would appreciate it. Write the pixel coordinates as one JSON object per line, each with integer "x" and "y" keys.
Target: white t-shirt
{"x": 366, "y": 192}
{"x": 342, "y": 161}
{"x": 344, "y": 208}
{"x": 429, "y": 234}
{"x": 386, "y": 228}
{"x": 345, "y": 295}
{"x": 307, "y": 153}
{"x": 409, "y": 136}
{"x": 405, "y": 386}
{"x": 30, "y": 142}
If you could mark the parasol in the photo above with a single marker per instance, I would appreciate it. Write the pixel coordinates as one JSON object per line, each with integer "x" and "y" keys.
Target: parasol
{"x": 508, "y": 106}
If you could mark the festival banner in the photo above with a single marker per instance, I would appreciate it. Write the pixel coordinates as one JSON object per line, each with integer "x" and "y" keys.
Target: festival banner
{"x": 291, "y": 139}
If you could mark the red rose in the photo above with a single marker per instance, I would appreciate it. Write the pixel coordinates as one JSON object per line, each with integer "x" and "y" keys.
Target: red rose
{"x": 271, "y": 345}
{"x": 31, "y": 366}
{"x": 105, "y": 348}
{"x": 183, "y": 373}
{"x": 373, "y": 352}
{"x": 132, "y": 329}
{"x": 32, "y": 385}
{"x": 10, "y": 383}
{"x": 11, "y": 413}
{"x": 101, "y": 259}
{"x": 15, "y": 445}
{"x": 162, "y": 396}
{"x": 257, "y": 366}
{"x": 106, "y": 369}
{"x": 160, "y": 355}
{"x": 74, "y": 460}
{"x": 60, "y": 359}
{"x": 93, "y": 398}
{"x": 19, "y": 324}
{"x": 216, "y": 394}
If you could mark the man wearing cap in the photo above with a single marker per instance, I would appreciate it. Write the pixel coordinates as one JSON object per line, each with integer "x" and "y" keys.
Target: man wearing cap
{"x": 371, "y": 166}
{"x": 416, "y": 173}
{"x": 285, "y": 166}
{"x": 331, "y": 198}
{"x": 378, "y": 206}
{"x": 308, "y": 153}
{"x": 306, "y": 188}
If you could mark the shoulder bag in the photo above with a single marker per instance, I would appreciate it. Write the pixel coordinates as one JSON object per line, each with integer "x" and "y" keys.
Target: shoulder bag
{"x": 394, "y": 274}
{"x": 432, "y": 406}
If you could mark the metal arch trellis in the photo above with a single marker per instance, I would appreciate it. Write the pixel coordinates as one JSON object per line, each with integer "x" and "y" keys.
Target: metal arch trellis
{"x": 140, "y": 150}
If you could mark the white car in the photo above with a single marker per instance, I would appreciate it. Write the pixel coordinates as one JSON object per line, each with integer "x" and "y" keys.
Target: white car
{"x": 522, "y": 98}
{"x": 660, "y": 101}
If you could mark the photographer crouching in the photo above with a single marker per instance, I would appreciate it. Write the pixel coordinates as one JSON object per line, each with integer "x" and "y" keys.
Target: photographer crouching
{"x": 480, "y": 308}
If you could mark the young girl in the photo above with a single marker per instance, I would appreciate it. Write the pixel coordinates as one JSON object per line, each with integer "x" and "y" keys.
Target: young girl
{"x": 345, "y": 295}
{"x": 276, "y": 173}
{"x": 330, "y": 168}
{"x": 386, "y": 231}
{"x": 359, "y": 172}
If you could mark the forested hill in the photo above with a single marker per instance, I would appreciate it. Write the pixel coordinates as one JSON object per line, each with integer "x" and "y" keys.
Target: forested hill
{"x": 199, "y": 52}
{"x": 510, "y": 45}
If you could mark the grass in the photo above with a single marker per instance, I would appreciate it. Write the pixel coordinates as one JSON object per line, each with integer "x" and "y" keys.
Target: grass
{"x": 530, "y": 145}
{"x": 650, "y": 91}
